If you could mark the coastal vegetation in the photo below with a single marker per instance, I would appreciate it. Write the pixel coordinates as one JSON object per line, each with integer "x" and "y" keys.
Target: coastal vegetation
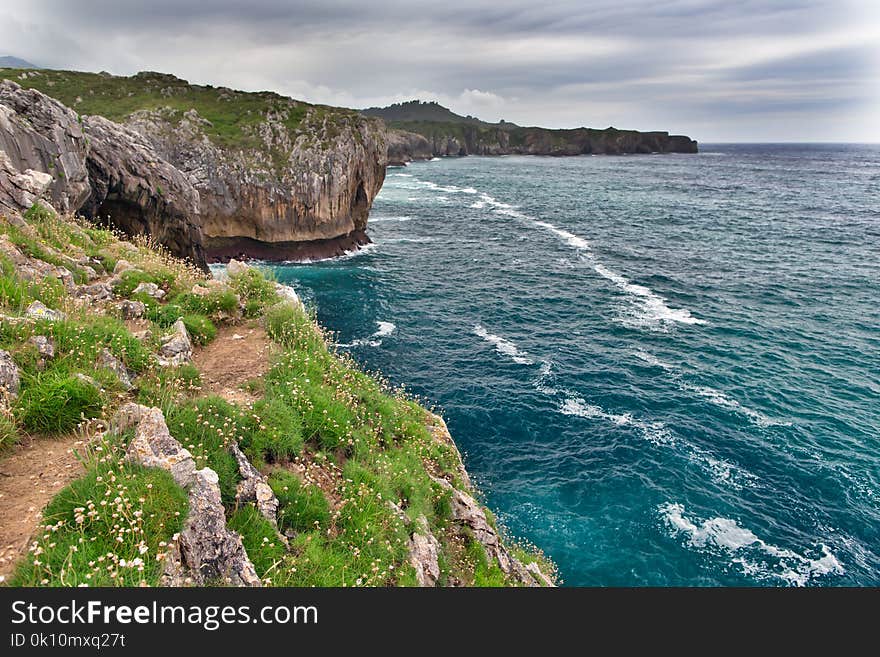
{"x": 369, "y": 487}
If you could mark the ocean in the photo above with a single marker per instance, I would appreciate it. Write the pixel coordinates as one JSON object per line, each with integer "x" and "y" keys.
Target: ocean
{"x": 661, "y": 369}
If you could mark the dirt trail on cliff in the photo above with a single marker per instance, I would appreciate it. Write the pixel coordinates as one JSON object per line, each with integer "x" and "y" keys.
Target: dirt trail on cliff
{"x": 30, "y": 475}
{"x": 237, "y": 355}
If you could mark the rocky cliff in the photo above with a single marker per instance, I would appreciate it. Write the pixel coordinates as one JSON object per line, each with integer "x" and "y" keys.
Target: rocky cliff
{"x": 275, "y": 177}
{"x": 94, "y": 167}
{"x": 419, "y": 130}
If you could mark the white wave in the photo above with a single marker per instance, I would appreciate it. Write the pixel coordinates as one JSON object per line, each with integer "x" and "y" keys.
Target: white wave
{"x": 652, "y": 360}
{"x": 545, "y": 374}
{"x": 650, "y": 309}
{"x": 385, "y": 328}
{"x": 503, "y": 346}
{"x": 654, "y": 432}
{"x": 756, "y": 557}
{"x": 720, "y": 399}
{"x": 449, "y": 189}
{"x": 379, "y": 220}
{"x": 570, "y": 238}
{"x": 435, "y": 159}
{"x": 400, "y": 175}
{"x": 375, "y": 340}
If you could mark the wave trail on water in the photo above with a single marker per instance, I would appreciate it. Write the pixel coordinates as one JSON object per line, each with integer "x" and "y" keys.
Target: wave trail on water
{"x": 503, "y": 346}
{"x": 375, "y": 340}
{"x": 726, "y": 538}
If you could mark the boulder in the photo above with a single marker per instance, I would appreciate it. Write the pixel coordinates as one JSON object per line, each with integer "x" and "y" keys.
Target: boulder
{"x": 95, "y": 292}
{"x": 121, "y": 266}
{"x": 37, "y": 310}
{"x": 10, "y": 382}
{"x": 200, "y": 290}
{"x": 154, "y": 447}
{"x": 128, "y": 416}
{"x": 236, "y": 267}
{"x": 288, "y": 295}
{"x": 44, "y": 151}
{"x": 150, "y": 289}
{"x": 176, "y": 347}
{"x": 45, "y": 349}
{"x": 206, "y": 552}
{"x": 131, "y": 309}
{"x": 109, "y": 361}
{"x": 424, "y": 551}
{"x": 254, "y": 487}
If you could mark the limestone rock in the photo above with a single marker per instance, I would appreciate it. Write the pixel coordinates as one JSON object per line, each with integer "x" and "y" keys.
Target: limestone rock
{"x": 121, "y": 266}
{"x": 136, "y": 190}
{"x": 176, "y": 347}
{"x": 131, "y": 309}
{"x": 10, "y": 382}
{"x": 288, "y": 295}
{"x": 404, "y": 146}
{"x": 467, "y": 512}
{"x": 45, "y": 151}
{"x": 85, "y": 378}
{"x": 424, "y": 550}
{"x": 154, "y": 447}
{"x": 200, "y": 290}
{"x": 34, "y": 269}
{"x": 95, "y": 292}
{"x": 150, "y": 289}
{"x": 236, "y": 267}
{"x": 45, "y": 349}
{"x": 112, "y": 363}
{"x": 206, "y": 552}
{"x": 37, "y": 310}
{"x": 313, "y": 182}
{"x": 128, "y": 416}
{"x": 254, "y": 487}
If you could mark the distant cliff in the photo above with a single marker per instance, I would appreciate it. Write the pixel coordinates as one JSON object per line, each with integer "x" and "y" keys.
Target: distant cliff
{"x": 273, "y": 177}
{"x": 422, "y": 130}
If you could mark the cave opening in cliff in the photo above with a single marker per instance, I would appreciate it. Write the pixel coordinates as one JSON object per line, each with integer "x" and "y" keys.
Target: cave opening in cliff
{"x": 360, "y": 206}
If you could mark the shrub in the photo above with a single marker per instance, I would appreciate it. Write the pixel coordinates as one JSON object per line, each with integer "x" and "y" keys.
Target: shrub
{"x": 217, "y": 303}
{"x": 200, "y": 328}
{"x": 51, "y": 403}
{"x": 302, "y": 508}
{"x": 165, "y": 315}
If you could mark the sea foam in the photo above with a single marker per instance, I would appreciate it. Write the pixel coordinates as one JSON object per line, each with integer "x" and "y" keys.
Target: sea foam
{"x": 742, "y": 547}
{"x": 503, "y": 346}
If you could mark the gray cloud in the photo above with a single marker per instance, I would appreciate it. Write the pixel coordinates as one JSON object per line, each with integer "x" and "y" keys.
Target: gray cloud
{"x": 710, "y": 68}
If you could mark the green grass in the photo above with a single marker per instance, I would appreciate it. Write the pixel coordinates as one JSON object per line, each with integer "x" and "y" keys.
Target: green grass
{"x": 52, "y": 403}
{"x": 301, "y": 508}
{"x": 256, "y": 288}
{"x": 200, "y": 328}
{"x": 8, "y": 431}
{"x": 265, "y": 549}
{"x": 106, "y": 528}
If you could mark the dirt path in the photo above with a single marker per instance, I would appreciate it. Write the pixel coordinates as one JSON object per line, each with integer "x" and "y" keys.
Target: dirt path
{"x": 30, "y": 475}
{"x": 237, "y": 355}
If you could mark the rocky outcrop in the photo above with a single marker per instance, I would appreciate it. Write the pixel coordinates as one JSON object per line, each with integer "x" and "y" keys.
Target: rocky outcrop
{"x": 10, "y": 381}
{"x": 177, "y": 348}
{"x": 95, "y": 167}
{"x": 424, "y": 553}
{"x": 45, "y": 151}
{"x": 254, "y": 487}
{"x": 284, "y": 187}
{"x": 404, "y": 146}
{"x": 137, "y": 191}
{"x": 205, "y": 552}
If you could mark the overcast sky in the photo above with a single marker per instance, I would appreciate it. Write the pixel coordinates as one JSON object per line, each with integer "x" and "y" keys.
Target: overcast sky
{"x": 718, "y": 70}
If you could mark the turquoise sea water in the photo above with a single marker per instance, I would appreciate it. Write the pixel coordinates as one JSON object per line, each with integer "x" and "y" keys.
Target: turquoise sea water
{"x": 662, "y": 370}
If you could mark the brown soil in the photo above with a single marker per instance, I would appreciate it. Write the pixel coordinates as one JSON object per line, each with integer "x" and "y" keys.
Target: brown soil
{"x": 237, "y": 355}
{"x": 30, "y": 475}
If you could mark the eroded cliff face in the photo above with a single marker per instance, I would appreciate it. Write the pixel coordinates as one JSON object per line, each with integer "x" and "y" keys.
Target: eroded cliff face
{"x": 41, "y": 136}
{"x": 289, "y": 189}
{"x": 456, "y": 139}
